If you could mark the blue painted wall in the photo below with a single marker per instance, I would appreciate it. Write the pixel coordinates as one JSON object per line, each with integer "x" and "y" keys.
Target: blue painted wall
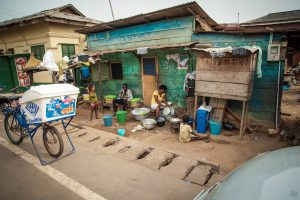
{"x": 150, "y": 34}
{"x": 263, "y": 102}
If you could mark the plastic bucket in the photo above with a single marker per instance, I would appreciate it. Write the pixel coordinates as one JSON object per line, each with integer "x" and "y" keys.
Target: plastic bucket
{"x": 121, "y": 132}
{"x": 121, "y": 117}
{"x": 107, "y": 120}
{"x": 215, "y": 127}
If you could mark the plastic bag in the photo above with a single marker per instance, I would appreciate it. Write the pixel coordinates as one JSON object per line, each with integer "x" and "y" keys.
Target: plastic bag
{"x": 49, "y": 62}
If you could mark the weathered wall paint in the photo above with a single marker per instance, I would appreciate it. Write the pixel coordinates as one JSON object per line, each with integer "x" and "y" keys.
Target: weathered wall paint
{"x": 150, "y": 34}
{"x": 263, "y": 102}
{"x": 169, "y": 75}
{"x": 131, "y": 74}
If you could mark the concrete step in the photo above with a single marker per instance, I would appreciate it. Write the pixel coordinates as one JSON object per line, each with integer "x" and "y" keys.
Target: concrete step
{"x": 157, "y": 159}
{"x": 199, "y": 175}
{"x": 180, "y": 167}
{"x": 136, "y": 151}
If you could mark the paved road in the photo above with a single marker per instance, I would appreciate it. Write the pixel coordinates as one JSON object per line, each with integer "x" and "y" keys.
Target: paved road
{"x": 89, "y": 169}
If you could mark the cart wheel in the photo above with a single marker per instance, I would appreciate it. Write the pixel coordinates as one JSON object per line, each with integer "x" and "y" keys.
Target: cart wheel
{"x": 13, "y": 129}
{"x": 53, "y": 141}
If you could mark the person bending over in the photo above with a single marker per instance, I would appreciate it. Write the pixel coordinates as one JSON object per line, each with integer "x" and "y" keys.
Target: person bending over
{"x": 159, "y": 100}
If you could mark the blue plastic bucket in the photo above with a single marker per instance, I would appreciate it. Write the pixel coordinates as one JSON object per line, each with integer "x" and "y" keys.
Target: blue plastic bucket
{"x": 215, "y": 127}
{"x": 108, "y": 120}
{"x": 121, "y": 132}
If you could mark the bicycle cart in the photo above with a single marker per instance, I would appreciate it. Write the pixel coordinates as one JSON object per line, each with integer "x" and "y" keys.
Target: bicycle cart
{"x": 38, "y": 108}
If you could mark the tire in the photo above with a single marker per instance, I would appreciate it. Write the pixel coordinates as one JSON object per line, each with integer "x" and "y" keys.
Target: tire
{"x": 52, "y": 136}
{"x": 13, "y": 129}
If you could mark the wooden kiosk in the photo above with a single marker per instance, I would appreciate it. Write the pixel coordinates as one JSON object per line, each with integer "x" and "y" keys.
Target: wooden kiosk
{"x": 226, "y": 76}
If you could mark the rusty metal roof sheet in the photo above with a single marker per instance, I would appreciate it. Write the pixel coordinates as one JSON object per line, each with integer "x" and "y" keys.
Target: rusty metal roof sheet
{"x": 48, "y": 15}
{"x": 95, "y": 53}
{"x": 183, "y": 10}
{"x": 275, "y": 18}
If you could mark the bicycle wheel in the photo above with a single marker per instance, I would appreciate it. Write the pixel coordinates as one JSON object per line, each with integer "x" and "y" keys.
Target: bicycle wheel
{"x": 13, "y": 129}
{"x": 53, "y": 141}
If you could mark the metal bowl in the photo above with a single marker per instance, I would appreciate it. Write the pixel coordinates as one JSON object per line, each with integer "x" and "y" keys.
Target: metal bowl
{"x": 140, "y": 113}
{"x": 149, "y": 123}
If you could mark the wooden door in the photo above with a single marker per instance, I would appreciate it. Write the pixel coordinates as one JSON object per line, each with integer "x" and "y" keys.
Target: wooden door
{"x": 149, "y": 78}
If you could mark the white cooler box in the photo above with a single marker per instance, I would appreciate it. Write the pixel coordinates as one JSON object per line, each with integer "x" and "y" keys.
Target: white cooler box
{"x": 46, "y": 103}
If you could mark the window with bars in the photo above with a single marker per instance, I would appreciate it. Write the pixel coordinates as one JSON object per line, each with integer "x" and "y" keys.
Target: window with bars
{"x": 68, "y": 50}
{"x": 38, "y": 51}
{"x": 116, "y": 71}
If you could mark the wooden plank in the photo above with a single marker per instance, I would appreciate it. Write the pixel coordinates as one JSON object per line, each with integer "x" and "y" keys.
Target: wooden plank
{"x": 242, "y": 121}
{"x": 195, "y": 111}
{"x": 224, "y": 76}
{"x": 100, "y": 86}
{"x": 233, "y": 89}
{"x": 224, "y": 64}
{"x": 219, "y": 106}
{"x": 222, "y": 96}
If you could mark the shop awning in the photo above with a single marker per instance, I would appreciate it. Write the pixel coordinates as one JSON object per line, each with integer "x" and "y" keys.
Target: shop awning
{"x": 95, "y": 53}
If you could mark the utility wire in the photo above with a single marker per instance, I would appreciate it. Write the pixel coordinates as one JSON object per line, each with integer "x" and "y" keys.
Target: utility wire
{"x": 112, "y": 12}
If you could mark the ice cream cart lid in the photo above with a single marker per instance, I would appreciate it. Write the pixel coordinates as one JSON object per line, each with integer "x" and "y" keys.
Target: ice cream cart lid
{"x": 49, "y": 90}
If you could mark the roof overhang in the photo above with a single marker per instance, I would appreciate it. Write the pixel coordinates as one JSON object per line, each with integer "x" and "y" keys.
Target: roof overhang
{"x": 95, "y": 53}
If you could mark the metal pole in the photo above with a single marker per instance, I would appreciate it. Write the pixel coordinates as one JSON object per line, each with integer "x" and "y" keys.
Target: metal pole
{"x": 112, "y": 12}
{"x": 277, "y": 96}
{"x": 100, "y": 83}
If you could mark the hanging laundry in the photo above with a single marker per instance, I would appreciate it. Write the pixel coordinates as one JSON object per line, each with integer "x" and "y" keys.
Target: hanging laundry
{"x": 239, "y": 51}
{"x": 253, "y": 49}
{"x": 62, "y": 67}
{"x": 189, "y": 76}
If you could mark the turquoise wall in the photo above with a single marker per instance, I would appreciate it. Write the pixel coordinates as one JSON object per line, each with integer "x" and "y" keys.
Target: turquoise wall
{"x": 131, "y": 74}
{"x": 263, "y": 102}
{"x": 144, "y": 35}
{"x": 169, "y": 75}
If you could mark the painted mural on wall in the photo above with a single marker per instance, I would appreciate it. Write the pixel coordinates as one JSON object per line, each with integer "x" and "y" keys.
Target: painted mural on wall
{"x": 23, "y": 77}
{"x": 60, "y": 107}
{"x": 181, "y": 63}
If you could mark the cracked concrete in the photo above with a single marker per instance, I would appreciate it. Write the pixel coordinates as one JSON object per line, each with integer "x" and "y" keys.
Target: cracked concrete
{"x": 180, "y": 167}
{"x": 157, "y": 159}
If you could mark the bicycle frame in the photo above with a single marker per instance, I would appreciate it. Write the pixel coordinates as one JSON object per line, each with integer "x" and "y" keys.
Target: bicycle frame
{"x": 21, "y": 118}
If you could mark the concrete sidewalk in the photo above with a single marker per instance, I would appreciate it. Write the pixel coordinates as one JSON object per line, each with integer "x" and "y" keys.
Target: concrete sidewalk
{"x": 99, "y": 165}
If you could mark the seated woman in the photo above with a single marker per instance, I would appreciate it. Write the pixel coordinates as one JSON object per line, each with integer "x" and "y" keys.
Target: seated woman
{"x": 125, "y": 95}
{"x": 159, "y": 100}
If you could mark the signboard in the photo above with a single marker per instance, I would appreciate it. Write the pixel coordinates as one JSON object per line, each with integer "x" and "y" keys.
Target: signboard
{"x": 23, "y": 77}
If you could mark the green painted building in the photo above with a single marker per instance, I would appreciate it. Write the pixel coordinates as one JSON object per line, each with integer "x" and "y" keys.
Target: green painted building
{"x": 167, "y": 37}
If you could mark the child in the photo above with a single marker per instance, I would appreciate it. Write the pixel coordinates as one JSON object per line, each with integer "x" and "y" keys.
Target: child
{"x": 186, "y": 132}
{"x": 94, "y": 101}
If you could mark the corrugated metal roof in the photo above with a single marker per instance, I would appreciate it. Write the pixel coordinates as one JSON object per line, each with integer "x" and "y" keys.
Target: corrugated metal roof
{"x": 275, "y": 18}
{"x": 52, "y": 13}
{"x": 183, "y": 10}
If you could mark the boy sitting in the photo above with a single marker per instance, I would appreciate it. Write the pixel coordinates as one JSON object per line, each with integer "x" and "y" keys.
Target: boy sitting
{"x": 186, "y": 133}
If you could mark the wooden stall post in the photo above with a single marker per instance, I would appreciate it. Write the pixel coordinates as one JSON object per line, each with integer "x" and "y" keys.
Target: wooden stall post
{"x": 195, "y": 110}
{"x": 100, "y": 84}
{"x": 243, "y": 119}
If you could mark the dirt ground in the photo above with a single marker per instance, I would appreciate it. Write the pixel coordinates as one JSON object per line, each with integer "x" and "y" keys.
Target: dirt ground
{"x": 227, "y": 151}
